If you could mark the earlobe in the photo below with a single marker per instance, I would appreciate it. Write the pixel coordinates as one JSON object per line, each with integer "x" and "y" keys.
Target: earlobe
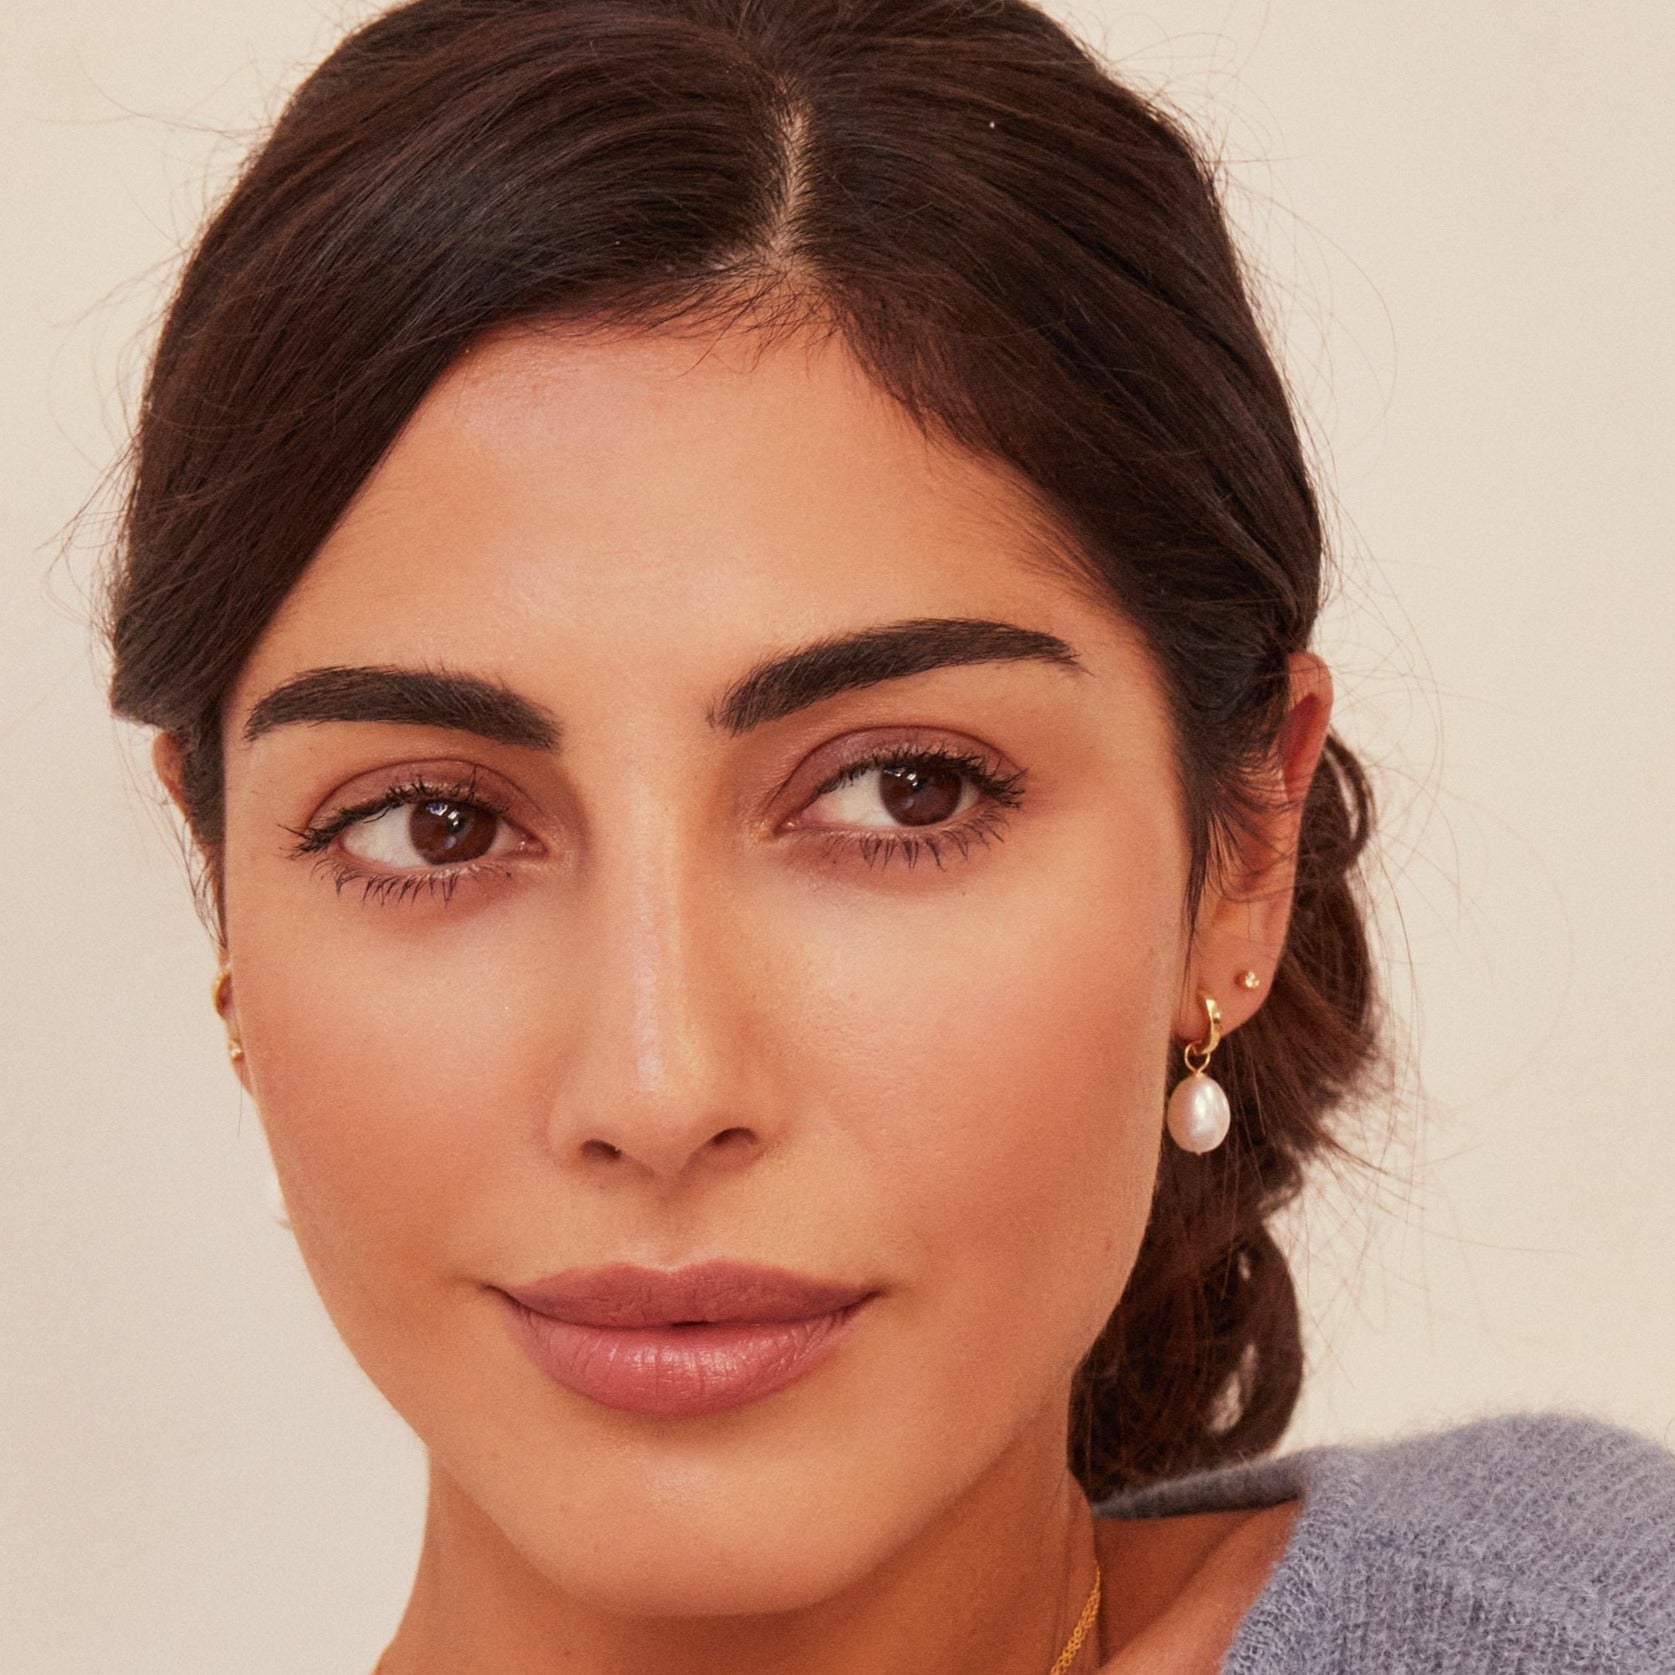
{"x": 221, "y": 998}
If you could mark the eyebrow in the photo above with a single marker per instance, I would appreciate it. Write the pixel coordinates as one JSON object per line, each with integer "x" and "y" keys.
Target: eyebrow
{"x": 409, "y": 697}
{"x": 845, "y": 662}
{"x": 773, "y": 689}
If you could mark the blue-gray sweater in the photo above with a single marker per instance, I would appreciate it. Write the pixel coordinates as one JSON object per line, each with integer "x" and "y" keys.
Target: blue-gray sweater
{"x": 1540, "y": 1545}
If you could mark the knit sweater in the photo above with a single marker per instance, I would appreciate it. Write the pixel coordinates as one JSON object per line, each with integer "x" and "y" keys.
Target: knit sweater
{"x": 1537, "y": 1545}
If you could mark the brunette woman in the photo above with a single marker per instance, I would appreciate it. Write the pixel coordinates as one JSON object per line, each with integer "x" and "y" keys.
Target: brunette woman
{"x": 726, "y": 589}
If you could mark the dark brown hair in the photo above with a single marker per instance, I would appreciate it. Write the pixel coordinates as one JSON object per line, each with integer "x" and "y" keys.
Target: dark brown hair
{"x": 1027, "y": 255}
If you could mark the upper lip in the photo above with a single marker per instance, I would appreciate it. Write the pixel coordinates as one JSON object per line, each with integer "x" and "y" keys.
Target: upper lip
{"x": 707, "y": 1292}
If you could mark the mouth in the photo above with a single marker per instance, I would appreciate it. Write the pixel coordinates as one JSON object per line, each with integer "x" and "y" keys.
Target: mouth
{"x": 676, "y": 1342}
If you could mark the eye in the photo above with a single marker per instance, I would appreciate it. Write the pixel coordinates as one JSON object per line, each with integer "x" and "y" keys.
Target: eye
{"x": 925, "y": 791}
{"x": 907, "y": 801}
{"x": 433, "y": 832}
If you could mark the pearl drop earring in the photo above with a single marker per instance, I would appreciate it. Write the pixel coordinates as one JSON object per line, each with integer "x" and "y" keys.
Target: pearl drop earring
{"x": 1199, "y": 1115}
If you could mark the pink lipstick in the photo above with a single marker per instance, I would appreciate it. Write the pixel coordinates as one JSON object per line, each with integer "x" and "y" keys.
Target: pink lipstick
{"x": 674, "y": 1342}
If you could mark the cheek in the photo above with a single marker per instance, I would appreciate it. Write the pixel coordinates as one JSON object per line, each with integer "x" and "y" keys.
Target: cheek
{"x": 391, "y": 1068}
{"x": 997, "y": 1060}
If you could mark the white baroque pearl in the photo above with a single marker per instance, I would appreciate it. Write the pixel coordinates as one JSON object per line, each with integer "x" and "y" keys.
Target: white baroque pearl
{"x": 1199, "y": 1114}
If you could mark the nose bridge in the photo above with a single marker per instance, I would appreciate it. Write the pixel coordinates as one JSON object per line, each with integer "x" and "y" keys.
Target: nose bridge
{"x": 650, "y": 921}
{"x": 652, "y": 1080}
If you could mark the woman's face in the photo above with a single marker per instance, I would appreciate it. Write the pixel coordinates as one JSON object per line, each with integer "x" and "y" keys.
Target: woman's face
{"x": 567, "y": 942}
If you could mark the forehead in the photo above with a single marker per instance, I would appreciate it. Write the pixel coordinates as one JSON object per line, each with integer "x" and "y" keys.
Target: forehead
{"x": 583, "y": 496}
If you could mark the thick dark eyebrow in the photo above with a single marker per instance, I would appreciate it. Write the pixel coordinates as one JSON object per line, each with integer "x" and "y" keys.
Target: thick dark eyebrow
{"x": 845, "y": 662}
{"x": 412, "y": 697}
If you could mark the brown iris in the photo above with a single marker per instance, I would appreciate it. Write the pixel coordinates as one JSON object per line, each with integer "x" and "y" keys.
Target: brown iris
{"x": 920, "y": 796}
{"x": 444, "y": 832}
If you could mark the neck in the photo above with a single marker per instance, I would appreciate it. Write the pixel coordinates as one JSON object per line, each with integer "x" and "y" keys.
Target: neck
{"x": 992, "y": 1586}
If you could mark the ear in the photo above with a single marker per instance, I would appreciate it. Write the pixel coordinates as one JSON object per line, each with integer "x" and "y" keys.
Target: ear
{"x": 169, "y": 761}
{"x": 1244, "y": 913}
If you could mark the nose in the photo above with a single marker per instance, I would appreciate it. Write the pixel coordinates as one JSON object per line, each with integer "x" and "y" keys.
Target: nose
{"x": 663, "y": 1078}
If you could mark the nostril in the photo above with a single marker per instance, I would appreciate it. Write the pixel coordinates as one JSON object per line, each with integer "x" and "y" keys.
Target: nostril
{"x": 728, "y": 1140}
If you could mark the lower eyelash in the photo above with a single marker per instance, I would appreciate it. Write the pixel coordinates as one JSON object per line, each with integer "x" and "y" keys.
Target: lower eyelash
{"x": 878, "y": 849}
{"x": 386, "y": 888}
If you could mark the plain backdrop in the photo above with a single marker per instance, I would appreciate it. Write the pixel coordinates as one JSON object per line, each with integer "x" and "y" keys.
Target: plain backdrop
{"x": 1459, "y": 212}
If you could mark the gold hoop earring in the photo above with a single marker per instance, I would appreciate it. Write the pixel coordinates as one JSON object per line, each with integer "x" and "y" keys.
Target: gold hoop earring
{"x": 218, "y": 990}
{"x": 1199, "y": 1115}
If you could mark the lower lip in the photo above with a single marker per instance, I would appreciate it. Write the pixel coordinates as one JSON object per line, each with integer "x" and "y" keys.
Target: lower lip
{"x": 675, "y": 1371}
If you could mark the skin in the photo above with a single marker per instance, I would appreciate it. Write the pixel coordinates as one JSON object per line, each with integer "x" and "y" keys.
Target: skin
{"x": 678, "y": 1014}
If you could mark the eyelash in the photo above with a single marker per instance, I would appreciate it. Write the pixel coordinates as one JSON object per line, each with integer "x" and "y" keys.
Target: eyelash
{"x": 392, "y": 887}
{"x": 877, "y": 849}
{"x": 1001, "y": 791}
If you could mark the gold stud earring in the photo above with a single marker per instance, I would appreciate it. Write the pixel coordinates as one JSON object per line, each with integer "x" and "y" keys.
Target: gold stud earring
{"x": 1249, "y": 980}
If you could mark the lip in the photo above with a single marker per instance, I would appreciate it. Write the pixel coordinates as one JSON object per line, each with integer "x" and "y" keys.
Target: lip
{"x": 706, "y": 1338}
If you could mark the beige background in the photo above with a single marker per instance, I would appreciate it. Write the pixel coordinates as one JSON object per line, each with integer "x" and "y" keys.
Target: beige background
{"x": 1462, "y": 212}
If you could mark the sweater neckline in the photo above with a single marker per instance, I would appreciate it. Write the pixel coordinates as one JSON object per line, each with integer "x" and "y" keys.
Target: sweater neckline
{"x": 1324, "y": 1480}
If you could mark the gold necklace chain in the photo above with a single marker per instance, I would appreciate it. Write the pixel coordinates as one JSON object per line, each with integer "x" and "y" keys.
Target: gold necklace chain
{"x": 1084, "y": 1623}
{"x": 1061, "y": 1664}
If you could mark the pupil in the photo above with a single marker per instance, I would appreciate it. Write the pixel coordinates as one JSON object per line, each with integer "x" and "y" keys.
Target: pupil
{"x": 444, "y": 832}
{"x": 921, "y": 796}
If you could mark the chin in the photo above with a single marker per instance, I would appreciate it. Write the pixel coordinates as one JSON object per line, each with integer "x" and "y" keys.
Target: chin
{"x": 772, "y": 1507}
{"x": 769, "y": 1509}
{"x": 696, "y": 1551}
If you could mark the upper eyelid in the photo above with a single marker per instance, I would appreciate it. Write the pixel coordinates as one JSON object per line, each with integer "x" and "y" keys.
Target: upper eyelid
{"x": 338, "y": 814}
{"x": 974, "y": 761}
{"x": 909, "y": 742}
{"x": 400, "y": 795}
{"x": 408, "y": 782}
